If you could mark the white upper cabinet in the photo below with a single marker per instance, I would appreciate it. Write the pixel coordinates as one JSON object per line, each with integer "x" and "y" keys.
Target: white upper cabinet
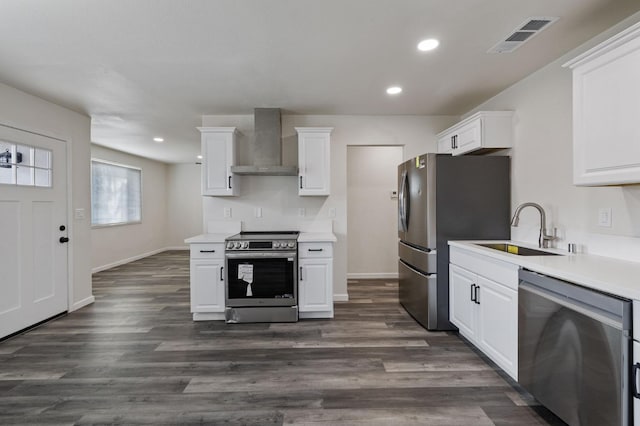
{"x": 314, "y": 160}
{"x": 218, "y": 155}
{"x": 483, "y": 130}
{"x": 606, "y": 108}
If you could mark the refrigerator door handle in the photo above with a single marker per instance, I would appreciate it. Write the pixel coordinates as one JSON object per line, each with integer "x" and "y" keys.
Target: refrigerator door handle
{"x": 402, "y": 202}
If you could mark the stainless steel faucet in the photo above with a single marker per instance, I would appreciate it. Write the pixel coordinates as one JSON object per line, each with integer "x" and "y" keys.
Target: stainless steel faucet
{"x": 543, "y": 238}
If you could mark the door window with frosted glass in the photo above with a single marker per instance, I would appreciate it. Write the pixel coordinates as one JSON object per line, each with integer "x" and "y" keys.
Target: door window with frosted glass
{"x": 25, "y": 165}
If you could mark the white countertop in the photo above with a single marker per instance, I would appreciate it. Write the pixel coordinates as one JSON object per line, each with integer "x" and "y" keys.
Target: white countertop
{"x": 618, "y": 277}
{"x": 209, "y": 238}
{"x": 317, "y": 237}
{"x": 304, "y": 237}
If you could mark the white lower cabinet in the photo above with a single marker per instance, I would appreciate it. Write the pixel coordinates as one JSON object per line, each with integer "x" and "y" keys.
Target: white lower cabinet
{"x": 462, "y": 308}
{"x": 636, "y": 386}
{"x": 207, "y": 281}
{"x": 315, "y": 280}
{"x": 486, "y": 310}
{"x": 498, "y": 324}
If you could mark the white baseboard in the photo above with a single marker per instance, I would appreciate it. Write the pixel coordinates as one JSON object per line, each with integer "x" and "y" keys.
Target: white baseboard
{"x": 176, "y": 248}
{"x": 373, "y": 276}
{"x": 208, "y": 316}
{"x": 128, "y": 260}
{"x": 341, "y": 297}
{"x": 82, "y": 303}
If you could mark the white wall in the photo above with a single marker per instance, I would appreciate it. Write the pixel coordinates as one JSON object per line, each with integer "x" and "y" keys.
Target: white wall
{"x": 371, "y": 211}
{"x": 114, "y": 245}
{"x": 542, "y": 165}
{"x": 184, "y": 203}
{"x": 277, "y": 195}
{"x": 27, "y": 112}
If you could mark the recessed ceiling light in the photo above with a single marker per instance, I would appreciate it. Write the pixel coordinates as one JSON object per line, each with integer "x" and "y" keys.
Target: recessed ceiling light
{"x": 428, "y": 44}
{"x": 394, "y": 90}
{"x": 199, "y": 157}
{"x": 158, "y": 139}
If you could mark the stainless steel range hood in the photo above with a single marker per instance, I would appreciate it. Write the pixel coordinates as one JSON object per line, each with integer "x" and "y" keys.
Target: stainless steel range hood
{"x": 266, "y": 147}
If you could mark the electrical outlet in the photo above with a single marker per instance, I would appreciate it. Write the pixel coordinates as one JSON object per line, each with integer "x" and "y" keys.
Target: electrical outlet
{"x": 227, "y": 212}
{"x": 332, "y": 212}
{"x": 604, "y": 217}
{"x": 78, "y": 214}
{"x": 302, "y": 212}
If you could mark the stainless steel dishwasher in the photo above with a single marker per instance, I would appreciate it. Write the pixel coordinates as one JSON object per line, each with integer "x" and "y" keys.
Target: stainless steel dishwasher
{"x": 574, "y": 350}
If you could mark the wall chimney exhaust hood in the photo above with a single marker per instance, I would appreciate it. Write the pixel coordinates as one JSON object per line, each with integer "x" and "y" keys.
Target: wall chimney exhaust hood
{"x": 266, "y": 147}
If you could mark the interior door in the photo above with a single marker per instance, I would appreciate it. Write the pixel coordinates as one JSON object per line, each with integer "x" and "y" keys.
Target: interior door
{"x": 33, "y": 229}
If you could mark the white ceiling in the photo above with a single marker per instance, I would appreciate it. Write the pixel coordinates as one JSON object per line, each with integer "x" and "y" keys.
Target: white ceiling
{"x": 145, "y": 68}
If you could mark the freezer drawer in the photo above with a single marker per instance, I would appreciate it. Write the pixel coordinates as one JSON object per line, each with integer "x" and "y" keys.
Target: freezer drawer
{"x": 423, "y": 260}
{"x": 418, "y": 294}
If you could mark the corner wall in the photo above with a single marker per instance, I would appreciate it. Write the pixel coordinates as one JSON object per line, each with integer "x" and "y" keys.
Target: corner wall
{"x": 115, "y": 245}
{"x": 542, "y": 165}
{"x": 26, "y": 112}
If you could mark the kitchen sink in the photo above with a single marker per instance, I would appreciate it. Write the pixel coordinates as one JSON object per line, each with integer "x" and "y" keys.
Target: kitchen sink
{"x": 519, "y": 250}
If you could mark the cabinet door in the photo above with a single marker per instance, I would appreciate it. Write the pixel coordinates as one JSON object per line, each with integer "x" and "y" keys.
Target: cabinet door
{"x": 606, "y": 107}
{"x": 315, "y": 290}
{"x": 445, "y": 145}
{"x": 498, "y": 324}
{"x": 469, "y": 137}
{"x": 218, "y": 155}
{"x": 635, "y": 379}
{"x": 314, "y": 161}
{"x": 207, "y": 286}
{"x": 462, "y": 310}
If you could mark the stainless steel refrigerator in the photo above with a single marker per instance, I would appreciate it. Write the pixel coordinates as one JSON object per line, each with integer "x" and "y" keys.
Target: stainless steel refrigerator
{"x": 441, "y": 198}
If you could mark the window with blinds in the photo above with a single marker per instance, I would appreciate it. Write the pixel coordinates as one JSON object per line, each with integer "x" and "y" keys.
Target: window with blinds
{"x": 116, "y": 194}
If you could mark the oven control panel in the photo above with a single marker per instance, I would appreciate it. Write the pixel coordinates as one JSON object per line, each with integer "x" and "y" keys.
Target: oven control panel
{"x": 262, "y": 245}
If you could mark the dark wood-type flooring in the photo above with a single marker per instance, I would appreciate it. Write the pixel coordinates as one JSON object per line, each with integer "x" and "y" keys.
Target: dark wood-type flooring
{"x": 136, "y": 357}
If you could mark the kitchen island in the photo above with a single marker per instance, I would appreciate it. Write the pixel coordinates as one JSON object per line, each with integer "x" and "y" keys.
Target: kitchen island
{"x": 208, "y": 274}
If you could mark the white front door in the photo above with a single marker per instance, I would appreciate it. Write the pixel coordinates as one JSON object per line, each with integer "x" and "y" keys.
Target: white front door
{"x": 33, "y": 226}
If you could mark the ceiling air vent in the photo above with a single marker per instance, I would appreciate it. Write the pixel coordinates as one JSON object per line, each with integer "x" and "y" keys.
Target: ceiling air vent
{"x": 524, "y": 32}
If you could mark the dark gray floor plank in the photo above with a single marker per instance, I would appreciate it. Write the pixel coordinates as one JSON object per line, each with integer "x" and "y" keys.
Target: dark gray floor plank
{"x": 136, "y": 357}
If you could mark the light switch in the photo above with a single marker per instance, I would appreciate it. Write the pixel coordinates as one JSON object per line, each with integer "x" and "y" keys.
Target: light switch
{"x": 78, "y": 214}
{"x": 302, "y": 212}
{"x": 604, "y": 217}
{"x": 258, "y": 211}
{"x": 332, "y": 212}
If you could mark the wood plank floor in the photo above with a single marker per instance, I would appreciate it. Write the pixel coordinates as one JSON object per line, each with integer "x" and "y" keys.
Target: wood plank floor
{"x": 135, "y": 357}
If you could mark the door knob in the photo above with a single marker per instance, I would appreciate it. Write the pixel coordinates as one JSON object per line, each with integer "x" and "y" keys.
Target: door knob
{"x": 62, "y": 227}
{"x": 64, "y": 240}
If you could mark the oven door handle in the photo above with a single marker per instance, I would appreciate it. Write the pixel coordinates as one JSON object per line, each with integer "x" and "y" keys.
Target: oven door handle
{"x": 261, "y": 255}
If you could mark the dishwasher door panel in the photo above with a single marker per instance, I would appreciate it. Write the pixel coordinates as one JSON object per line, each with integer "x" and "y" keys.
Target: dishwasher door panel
{"x": 572, "y": 362}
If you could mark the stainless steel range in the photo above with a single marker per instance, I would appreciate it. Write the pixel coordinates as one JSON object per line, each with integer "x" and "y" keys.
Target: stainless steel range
{"x": 262, "y": 277}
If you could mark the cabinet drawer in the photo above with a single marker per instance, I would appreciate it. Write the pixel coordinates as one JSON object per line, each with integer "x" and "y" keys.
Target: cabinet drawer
{"x": 309, "y": 250}
{"x": 496, "y": 270}
{"x": 207, "y": 251}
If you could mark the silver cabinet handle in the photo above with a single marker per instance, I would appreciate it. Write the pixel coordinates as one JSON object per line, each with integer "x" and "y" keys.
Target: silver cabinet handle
{"x": 221, "y": 276}
{"x": 316, "y": 249}
{"x": 301, "y": 273}
{"x": 207, "y": 251}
